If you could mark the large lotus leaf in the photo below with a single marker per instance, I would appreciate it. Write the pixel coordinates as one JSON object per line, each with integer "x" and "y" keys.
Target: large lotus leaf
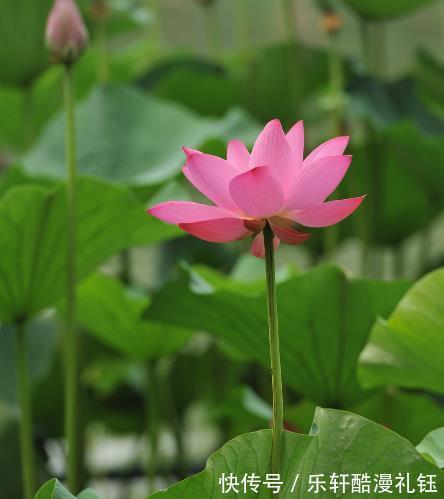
{"x": 408, "y": 348}
{"x": 127, "y": 136}
{"x": 33, "y": 239}
{"x": 113, "y": 314}
{"x": 340, "y": 443}
{"x": 383, "y": 9}
{"x": 324, "y": 315}
{"x": 22, "y": 51}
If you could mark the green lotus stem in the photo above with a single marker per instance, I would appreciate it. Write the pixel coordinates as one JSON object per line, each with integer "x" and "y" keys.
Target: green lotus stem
{"x": 278, "y": 399}
{"x": 24, "y": 397}
{"x": 71, "y": 339}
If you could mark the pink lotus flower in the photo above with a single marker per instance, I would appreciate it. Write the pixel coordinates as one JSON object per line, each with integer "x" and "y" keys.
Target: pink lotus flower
{"x": 66, "y": 35}
{"x": 274, "y": 183}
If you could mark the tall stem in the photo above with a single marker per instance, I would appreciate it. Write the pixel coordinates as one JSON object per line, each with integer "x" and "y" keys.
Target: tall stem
{"x": 71, "y": 340}
{"x": 24, "y": 397}
{"x": 278, "y": 402}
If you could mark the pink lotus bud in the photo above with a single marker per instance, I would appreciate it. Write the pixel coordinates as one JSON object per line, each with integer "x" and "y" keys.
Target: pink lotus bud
{"x": 66, "y": 34}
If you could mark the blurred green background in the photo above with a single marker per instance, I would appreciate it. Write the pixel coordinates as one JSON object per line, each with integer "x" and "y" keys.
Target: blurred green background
{"x": 174, "y": 354}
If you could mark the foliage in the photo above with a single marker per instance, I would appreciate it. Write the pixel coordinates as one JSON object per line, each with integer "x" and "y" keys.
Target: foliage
{"x": 407, "y": 348}
{"x": 325, "y": 318}
{"x": 127, "y": 136}
{"x": 108, "y": 310}
{"x": 190, "y": 315}
{"x": 338, "y": 441}
{"x": 33, "y": 240}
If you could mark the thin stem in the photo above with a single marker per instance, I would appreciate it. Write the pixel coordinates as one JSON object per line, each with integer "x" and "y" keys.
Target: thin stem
{"x": 24, "y": 396}
{"x": 71, "y": 340}
{"x": 278, "y": 403}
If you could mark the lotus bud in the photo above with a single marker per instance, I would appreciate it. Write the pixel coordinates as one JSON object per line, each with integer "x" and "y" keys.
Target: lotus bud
{"x": 66, "y": 34}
